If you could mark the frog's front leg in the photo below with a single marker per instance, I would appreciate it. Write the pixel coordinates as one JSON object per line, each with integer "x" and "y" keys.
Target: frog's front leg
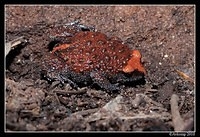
{"x": 129, "y": 78}
{"x": 103, "y": 82}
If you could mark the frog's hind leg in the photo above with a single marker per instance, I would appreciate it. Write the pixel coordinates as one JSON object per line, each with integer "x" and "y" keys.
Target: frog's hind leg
{"x": 103, "y": 82}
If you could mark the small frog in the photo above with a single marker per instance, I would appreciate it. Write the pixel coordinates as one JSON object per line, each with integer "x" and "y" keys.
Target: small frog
{"x": 91, "y": 58}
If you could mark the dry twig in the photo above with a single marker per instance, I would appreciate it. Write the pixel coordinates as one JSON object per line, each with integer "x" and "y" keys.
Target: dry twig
{"x": 86, "y": 112}
{"x": 65, "y": 92}
{"x": 12, "y": 44}
{"x": 178, "y": 122}
{"x": 185, "y": 76}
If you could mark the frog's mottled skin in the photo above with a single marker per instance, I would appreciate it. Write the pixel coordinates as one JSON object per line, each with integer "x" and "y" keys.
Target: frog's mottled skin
{"x": 93, "y": 58}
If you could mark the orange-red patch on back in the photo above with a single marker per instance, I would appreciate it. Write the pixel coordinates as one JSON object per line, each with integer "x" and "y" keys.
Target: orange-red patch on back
{"x": 61, "y": 47}
{"x": 134, "y": 63}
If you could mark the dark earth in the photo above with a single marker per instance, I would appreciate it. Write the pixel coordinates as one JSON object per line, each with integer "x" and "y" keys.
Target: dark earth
{"x": 163, "y": 34}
